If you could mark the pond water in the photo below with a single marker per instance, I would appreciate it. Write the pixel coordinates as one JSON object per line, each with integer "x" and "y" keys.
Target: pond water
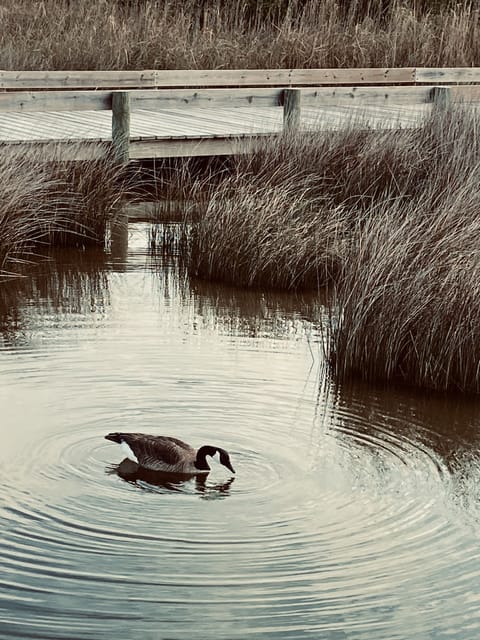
{"x": 354, "y": 513}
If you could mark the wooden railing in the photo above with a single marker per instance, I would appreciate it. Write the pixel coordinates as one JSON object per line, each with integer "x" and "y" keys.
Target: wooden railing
{"x": 123, "y": 91}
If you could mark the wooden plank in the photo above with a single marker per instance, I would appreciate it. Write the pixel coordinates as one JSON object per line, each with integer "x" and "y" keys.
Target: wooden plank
{"x": 220, "y": 122}
{"x": 282, "y": 77}
{"x": 10, "y": 127}
{"x": 149, "y": 100}
{"x": 61, "y": 125}
{"x": 29, "y": 128}
{"x": 445, "y": 75}
{"x": 366, "y": 95}
{"x": 75, "y": 79}
{"x": 465, "y": 93}
{"x": 48, "y": 125}
{"x": 178, "y": 98}
{"x": 248, "y": 119}
{"x": 20, "y": 80}
{"x": 32, "y": 126}
{"x": 189, "y": 147}
{"x": 170, "y": 123}
{"x": 361, "y": 116}
{"x": 56, "y": 101}
{"x": 98, "y": 122}
{"x": 61, "y": 151}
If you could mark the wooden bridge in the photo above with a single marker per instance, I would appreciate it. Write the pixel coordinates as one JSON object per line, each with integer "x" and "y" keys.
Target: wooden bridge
{"x": 153, "y": 114}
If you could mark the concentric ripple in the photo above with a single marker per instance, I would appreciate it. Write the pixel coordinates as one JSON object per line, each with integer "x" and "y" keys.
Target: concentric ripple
{"x": 352, "y": 514}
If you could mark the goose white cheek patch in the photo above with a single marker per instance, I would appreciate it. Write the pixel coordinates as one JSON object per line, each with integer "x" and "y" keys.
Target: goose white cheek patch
{"x": 128, "y": 452}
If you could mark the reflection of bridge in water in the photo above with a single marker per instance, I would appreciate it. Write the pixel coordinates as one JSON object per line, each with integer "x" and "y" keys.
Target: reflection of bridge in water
{"x": 152, "y": 114}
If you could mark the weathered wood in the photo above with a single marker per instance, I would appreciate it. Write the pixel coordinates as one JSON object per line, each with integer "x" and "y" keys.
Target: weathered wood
{"x": 465, "y": 93}
{"x": 441, "y": 98}
{"x": 39, "y": 101}
{"x": 218, "y": 120}
{"x": 61, "y": 151}
{"x": 121, "y": 125}
{"x": 21, "y": 80}
{"x": 24, "y": 80}
{"x": 366, "y": 95}
{"x": 188, "y": 147}
{"x": 198, "y": 123}
{"x": 291, "y": 109}
{"x": 282, "y": 77}
{"x": 56, "y": 101}
{"x": 447, "y": 75}
{"x": 152, "y": 100}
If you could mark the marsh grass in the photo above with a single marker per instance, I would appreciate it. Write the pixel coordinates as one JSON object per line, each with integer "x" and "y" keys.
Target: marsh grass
{"x": 407, "y": 305}
{"x": 272, "y": 235}
{"x": 168, "y": 34}
{"x": 283, "y": 215}
{"x": 389, "y": 221}
{"x": 408, "y": 298}
{"x": 96, "y": 192}
{"x": 27, "y": 217}
{"x": 53, "y": 202}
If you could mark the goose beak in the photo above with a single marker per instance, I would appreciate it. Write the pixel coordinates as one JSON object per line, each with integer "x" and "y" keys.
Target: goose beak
{"x": 225, "y": 460}
{"x": 229, "y": 466}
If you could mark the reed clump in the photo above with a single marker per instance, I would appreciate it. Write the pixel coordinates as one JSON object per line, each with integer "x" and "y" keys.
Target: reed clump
{"x": 96, "y": 192}
{"x": 268, "y": 221}
{"x": 407, "y": 302}
{"x": 26, "y": 215}
{"x": 272, "y": 235}
{"x": 53, "y": 202}
{"x": 387, "y": 220}
{"x": 168, "y": 34}
{"x": 283, "y": 215}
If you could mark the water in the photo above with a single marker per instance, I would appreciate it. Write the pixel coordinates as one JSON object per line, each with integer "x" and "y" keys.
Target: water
{"x": 354, "y": 513}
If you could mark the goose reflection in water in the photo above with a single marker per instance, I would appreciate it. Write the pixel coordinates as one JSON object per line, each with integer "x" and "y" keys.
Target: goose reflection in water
{"x": 169, "y": 482}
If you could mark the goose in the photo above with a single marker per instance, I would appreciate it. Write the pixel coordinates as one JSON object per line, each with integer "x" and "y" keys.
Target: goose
{"x": 167, "y": 454}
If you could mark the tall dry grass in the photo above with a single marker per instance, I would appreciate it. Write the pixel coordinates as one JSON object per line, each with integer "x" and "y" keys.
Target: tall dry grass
{"x": 407, "y": 300}
{"x": 389, "y": 220}
{"x": 168, "y": 34}
{"x": 45, "y": 200}
{"x": 268, "y": 221}
{"x": 283, "y": 214}
{"x": 96, "y": 192}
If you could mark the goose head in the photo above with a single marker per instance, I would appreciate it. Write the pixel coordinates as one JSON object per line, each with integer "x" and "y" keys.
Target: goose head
{"x": 208, "y": 450}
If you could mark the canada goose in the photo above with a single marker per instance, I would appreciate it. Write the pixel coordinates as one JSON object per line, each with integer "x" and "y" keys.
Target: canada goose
{"x": 163, "y": 453}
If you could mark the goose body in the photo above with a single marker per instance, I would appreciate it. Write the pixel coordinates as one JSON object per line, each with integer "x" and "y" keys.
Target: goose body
{"x": 167, "y": 454}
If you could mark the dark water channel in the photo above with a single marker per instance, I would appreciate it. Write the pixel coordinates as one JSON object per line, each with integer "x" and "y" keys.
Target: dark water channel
{"x": 353, "y": 514}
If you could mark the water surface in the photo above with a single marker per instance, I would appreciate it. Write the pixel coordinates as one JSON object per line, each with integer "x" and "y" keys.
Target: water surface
{"x": 354, "y": 513}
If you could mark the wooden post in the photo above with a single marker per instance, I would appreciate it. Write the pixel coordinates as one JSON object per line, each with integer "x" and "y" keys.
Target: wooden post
{"x": 441, "y": 98}
{"x": 119, "y": 236}
{"x": 121, "y": 126}
{"x": 291, "y": 109}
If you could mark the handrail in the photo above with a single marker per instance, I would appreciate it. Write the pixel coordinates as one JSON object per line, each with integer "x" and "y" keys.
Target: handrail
{"x": 150, "y": 78}
{"x": 21, "y": 80}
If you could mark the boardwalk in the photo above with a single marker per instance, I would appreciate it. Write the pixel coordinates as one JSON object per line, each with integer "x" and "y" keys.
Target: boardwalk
{"x": 188, "y": 128}
{"x": 166, "y": 113}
